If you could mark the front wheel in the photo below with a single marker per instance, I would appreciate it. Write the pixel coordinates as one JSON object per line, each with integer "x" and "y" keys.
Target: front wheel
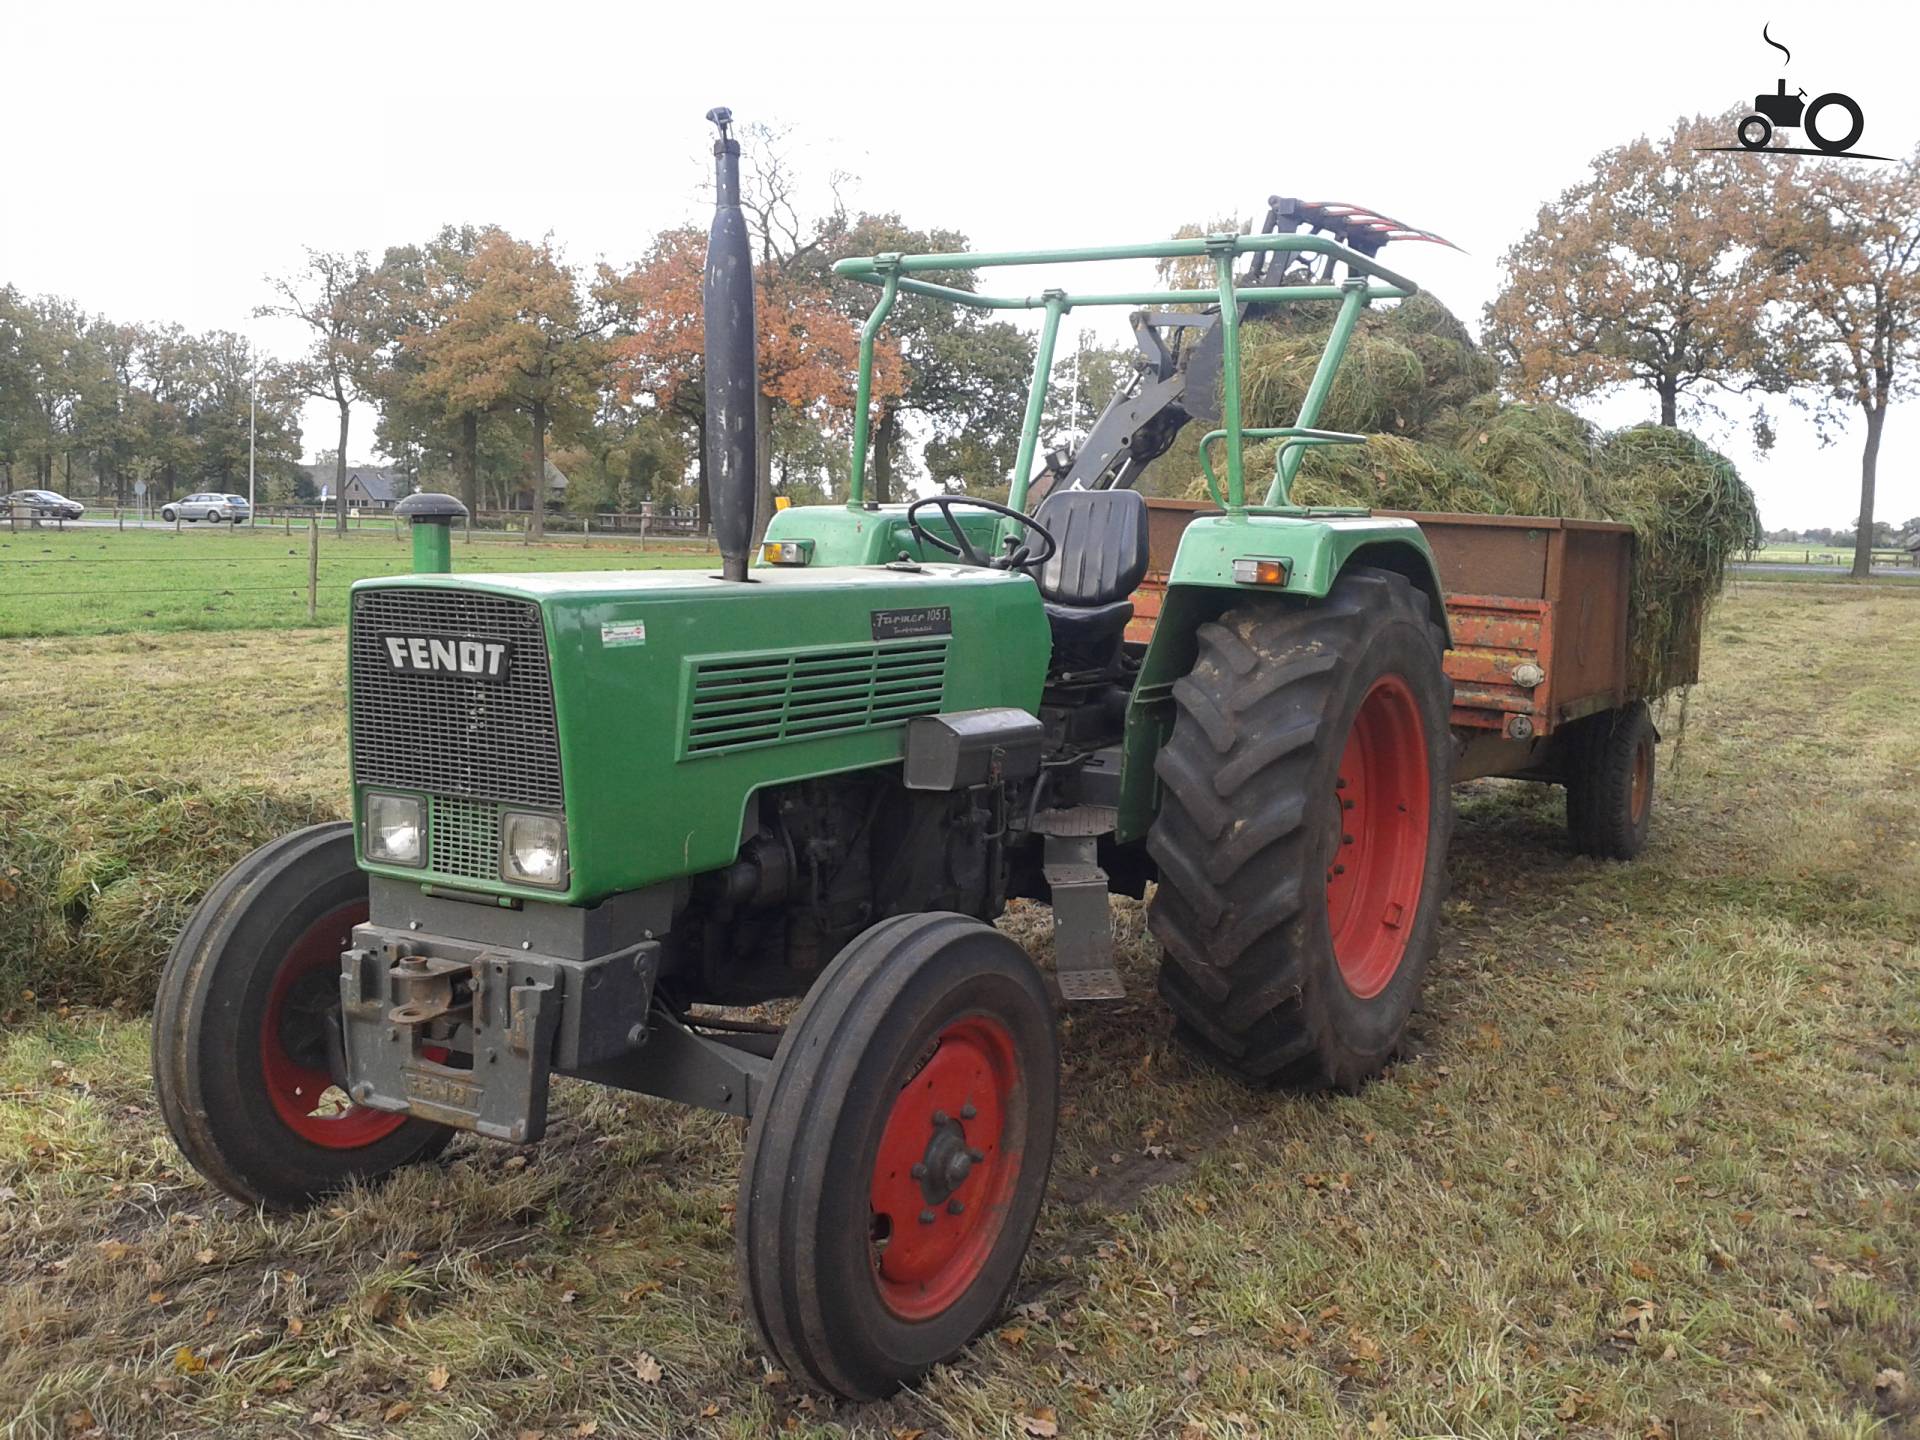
{"x": 1302, "y": 833}
{"x": 896, "y": 1164}
{"x": 1755, "y": 131}
{"x": 246, "y": 1022}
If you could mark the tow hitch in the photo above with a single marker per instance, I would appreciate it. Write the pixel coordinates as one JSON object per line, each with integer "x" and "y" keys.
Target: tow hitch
{"x": 468, "y": 1036}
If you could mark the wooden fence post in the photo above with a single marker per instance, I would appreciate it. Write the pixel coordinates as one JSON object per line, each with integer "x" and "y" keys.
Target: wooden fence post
{"x": 313, "y": 570}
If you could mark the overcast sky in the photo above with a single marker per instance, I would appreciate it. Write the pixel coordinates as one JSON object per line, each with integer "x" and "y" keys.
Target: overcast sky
{"x": 163, "y": 158}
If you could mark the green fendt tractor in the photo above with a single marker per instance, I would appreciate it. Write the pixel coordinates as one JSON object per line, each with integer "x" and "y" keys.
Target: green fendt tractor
{"x": 592, "y": 811}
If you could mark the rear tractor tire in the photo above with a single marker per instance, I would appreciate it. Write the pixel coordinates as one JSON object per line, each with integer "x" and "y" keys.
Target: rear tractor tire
{"x": 242, "y": 1031}
{"x": 1609, "y": 778}
{"x": 1302, "y": 835}
{"x": 898, "y": 1155}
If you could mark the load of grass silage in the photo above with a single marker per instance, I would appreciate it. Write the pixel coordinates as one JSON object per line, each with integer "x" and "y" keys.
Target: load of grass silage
{"x": 1440, "y": 439}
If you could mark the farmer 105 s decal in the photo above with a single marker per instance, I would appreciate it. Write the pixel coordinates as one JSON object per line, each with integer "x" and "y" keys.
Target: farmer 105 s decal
{"x": 593, "y": 811}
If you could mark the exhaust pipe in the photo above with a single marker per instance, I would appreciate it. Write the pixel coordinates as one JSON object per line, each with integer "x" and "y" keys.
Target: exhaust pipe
{"x": 732, "y": 368}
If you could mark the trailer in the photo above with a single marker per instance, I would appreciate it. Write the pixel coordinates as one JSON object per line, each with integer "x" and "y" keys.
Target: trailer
{"x": 1540, "y": 613}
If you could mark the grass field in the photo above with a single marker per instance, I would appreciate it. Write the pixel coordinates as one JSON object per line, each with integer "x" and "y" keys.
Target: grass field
{"x": 1650, "y": 1167}
{"x": 1822, "y": 555}
{"x": 96, "y": 582}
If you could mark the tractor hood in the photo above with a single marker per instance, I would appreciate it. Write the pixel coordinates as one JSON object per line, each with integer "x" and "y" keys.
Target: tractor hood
{"x": 646, "y": 707}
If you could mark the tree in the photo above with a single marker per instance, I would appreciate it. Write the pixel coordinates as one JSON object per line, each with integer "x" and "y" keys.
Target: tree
{"x": 1084, "y": 380}
{"x": 426, "y": 405}
{"x": 657, "y": 346}
{"x": 226, "y": 413}
{"x": 1845, "y": 242}
{"x": 169, "y": 382}
{"x": 333, "y": 296}
{"x": 962, "y": 377}
{"x": 519, "y": 332}
{"x": 57, "y": 364}
{"x": 808, "y": 346}
{"x": 1195, "y": 272}
{"x": 16, "y": 396}
{"x": 1645, "y": 275}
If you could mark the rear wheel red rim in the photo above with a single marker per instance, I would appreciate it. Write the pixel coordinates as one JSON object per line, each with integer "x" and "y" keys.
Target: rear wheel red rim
{"x": 943, "y": 1174}
{"x": 1642, "y": 781}
{"x": 1380, "y": 846}
{"x": 293, "y": 1041}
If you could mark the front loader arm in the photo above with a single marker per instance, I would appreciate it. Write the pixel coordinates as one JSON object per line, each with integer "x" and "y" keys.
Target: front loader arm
{"x": 1178, "y": 375}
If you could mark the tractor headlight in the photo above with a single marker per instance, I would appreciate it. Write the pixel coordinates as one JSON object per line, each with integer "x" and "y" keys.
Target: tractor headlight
{"x": 394, "y": 830}
{"x": 533, "y": 849}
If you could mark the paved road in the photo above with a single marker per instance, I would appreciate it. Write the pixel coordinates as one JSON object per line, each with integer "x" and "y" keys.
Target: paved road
{"x": 108, "y": 523}
{"x": 1791, "y": 567}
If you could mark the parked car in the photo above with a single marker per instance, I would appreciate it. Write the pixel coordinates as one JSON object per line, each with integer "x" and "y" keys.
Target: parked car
{"x": 42, "y": 505}
{"x": 208, "y": 505}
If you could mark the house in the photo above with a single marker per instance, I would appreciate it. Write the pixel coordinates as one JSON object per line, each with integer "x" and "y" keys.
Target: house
{"x": 368, "y": 487}
{"x": 556, "y": 490}
{"x": 375, "y": 487}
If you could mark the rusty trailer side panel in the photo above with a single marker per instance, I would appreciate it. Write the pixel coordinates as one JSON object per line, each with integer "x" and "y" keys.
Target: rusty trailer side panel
{"x": 1539, "y": 609}
{"x": 1527, "y": 590}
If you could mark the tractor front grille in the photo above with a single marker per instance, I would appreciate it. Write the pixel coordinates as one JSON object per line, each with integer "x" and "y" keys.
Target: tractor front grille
{"x": 469, "y": 743}
{"x": 739, "y": 701}
{"x": 463, "y": 838}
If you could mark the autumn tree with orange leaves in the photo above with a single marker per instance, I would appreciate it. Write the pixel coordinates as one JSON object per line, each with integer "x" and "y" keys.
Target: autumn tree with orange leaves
{"x": 809, "y": 351}
{"x": 517, "y": 333}
{"x": 1647, "y": 274}
{"x": 1843, "y": 241}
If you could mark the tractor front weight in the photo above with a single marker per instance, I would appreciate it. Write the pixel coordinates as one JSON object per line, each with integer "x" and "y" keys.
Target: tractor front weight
{"x": 465, "y": 1028}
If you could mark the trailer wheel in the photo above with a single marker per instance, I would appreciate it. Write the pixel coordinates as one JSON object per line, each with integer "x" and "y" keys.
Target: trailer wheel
{"x": 897, "y": 1159}
{"x": 241, "y": 1031}
{"x": 1609, "y": 779}
{"x": 1302, "y": 834}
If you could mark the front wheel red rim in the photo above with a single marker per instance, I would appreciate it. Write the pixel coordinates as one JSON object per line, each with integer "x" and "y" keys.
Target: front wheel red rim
{"x": 1379, "y": 862}
{"x": 944, "y": 1172}
{"x": 293, "y": 1041}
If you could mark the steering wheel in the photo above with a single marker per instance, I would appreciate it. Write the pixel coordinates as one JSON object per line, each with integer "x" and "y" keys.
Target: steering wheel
{"x": 1017, "y": 558}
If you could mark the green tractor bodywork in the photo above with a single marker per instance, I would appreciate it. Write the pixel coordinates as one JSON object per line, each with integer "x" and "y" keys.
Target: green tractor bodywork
{"x": 639, "y": 660}
{"x": 1314, "y": 544}
{"x": 676, "y": 696}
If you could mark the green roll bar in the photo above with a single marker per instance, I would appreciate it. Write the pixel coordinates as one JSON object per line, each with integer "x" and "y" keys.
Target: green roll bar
{"x": 1365, "y": 282}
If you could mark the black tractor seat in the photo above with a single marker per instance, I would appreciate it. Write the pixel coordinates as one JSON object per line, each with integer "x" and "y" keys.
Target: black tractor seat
{"x": 1087, "y": 586}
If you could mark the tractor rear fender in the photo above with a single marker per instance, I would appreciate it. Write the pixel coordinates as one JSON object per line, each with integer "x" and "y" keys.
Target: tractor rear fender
{"x": 1315, "y": 547}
